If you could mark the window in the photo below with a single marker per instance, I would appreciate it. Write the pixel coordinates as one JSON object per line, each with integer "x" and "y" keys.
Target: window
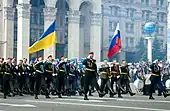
{"x": 146, "y": 2}
{"x": 146, "y": 14}
{"x": 143, "y": 31}
{"x": 127, "y": 42}
{"x": 130, "y": 13}
{"x": 161, "y": 17}
{"x": 34, "y": 18}
{"x": 160, "y": 3}
{"x": 41, "y": 18}
{"x": 129, "y": 27}
{"x": 115, "y": 10}
{"x": 112, "y": 26}
{"x": 160, "y": 30}
{"x": 34, "y": 35}
{"x": 131, "y": 42}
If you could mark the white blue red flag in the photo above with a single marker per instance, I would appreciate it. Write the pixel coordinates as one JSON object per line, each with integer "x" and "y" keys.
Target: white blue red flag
{"x": 115, "y": 43}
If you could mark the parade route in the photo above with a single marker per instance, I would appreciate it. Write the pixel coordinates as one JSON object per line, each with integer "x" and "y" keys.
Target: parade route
{"x": 76, "y": 103}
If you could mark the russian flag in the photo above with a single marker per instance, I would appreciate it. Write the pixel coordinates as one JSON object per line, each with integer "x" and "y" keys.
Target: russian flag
{"x": 115, "y": 43}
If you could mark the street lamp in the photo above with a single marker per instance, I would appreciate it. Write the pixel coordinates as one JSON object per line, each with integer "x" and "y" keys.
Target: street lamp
{"x": 150, "y": 28}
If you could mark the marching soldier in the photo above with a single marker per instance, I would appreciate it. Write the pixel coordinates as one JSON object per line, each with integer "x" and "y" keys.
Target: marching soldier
{"x": 21, "y": 77}
{"x": 7, "y": 78}
{"x": 90, "y": 75}
{"x": 61, "y": 75}
{"x": 1, "y": 72}
{"x": 32, "y": 79}
{"x": 14, "y": 74}
{"x": 115, "y": 71}
{"x": 39, "y": 75}
{"x": 124, "y": 77}
{"x": 48, "y": 65}
{"x": 105, "y": 77}
{"x": 26, "y": 76}
{"x": 156, "y": 80}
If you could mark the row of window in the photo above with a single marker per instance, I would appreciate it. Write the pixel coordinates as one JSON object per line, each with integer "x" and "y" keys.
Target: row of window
{"x": 159, "y": 3}
{"x": 130, "y": 13}
{"x": 130, "y": 27}
{"x": 37, "y": 18}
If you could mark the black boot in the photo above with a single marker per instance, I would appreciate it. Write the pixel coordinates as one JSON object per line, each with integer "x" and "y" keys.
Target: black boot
{"x": 166, "y": 94}
{"x": 48, "y": 97}
{"x": 119, "y": 96}
{"x": 132, "y": 94}
{"x": 101, "y": 94}
{"x": 86, "y": 98}
{"x": 151, "y": 97}
{"x": 59, "y": 96}
{"x": 4, "y": 96}
{"x": 36, "y": 96}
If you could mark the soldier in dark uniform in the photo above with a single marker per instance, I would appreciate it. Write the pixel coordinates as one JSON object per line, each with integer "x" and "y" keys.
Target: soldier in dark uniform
{"x": 1, "y": 73}
{"x": 48, "y": 65}
{"x": 26, "y": 76}
{"x": 61, "y": 75}
{"x": 115, "y": 71}
{"x": 39, "y": 75}
{"x": 15, "y": 75}
{"x": 72, "y": 77}
{"x": 124, "y": 78}
{"x": 32, "y": 79}
{"x": 21, "y": 76}
{"x": 105, "y": 77}
{"x": 7, "y": 78}
{"x": 90, "y": 75}
{"x": 156, "y": 80}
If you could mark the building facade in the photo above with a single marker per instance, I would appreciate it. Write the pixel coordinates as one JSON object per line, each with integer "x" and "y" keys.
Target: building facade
{"x": 132, "y": 15}
{"x": 82, "y": 25}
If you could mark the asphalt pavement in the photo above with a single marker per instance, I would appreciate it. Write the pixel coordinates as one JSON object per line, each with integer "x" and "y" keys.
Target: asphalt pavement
{"x": 76, "y": 103}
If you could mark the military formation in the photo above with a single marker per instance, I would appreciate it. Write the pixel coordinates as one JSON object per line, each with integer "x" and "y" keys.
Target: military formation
{"x": 63, "y": 77}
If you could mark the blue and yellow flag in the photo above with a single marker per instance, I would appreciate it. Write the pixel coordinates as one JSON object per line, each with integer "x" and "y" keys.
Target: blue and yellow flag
{"x": 47, "y": 39}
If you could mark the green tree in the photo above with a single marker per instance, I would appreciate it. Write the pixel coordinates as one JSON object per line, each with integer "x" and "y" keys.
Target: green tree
{"x": 158, "y": 52}
{"x": 141, "y": 53}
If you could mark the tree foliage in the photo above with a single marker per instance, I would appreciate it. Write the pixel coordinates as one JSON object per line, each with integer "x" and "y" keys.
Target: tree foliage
{"x": 158, "y": 50}
{"x": 141, "y": 53}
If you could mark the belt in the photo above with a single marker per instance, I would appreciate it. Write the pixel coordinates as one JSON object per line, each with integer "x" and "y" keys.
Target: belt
{"x": 7, "y": 73}
{"x": 62, "y": 70}
{"x": 71, "y": 74}
{"x": 39, "y": 71}
{"x": 123, "y": 73}
{"x": 87, "y": 69}
{"x": 104, "y": 73}
{"x": 48, "y": 71}
{"x": 155, "y": 74}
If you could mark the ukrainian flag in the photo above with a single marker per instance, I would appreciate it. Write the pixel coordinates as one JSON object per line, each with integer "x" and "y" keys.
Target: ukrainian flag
{"x": 47, "y": 39}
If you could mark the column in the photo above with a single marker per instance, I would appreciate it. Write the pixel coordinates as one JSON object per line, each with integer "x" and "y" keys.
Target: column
{"x": 73, "y": 34}
{"x": 23, "y": 31}
{"x": 150, "y": 49}
{"x": 8, "y": 32}
{"x": 95, "y": 39}
{"x": 49, "y": 17}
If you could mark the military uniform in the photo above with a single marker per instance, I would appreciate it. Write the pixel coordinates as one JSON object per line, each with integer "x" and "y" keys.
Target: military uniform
{"x": 7, "y": 79}
{"x": 1, "y": 75}
{"x": 124, "y": 79}
{"x": 39, "y": 75}
{"x": 61, "y": 77}
{"x": 105, "y": 78}
{"x": 48, "y": 76}
{"x": 90, "y": 77}
{"x": 156, "y": 80}
{"x": 115, "y": 72}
